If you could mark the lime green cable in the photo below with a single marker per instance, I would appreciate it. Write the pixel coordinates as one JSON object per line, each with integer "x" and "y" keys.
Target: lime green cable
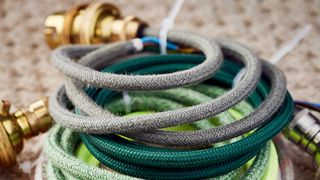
{"x": 272, "y": 169}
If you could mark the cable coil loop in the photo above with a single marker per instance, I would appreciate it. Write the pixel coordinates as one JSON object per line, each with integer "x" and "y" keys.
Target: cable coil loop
{"x": 153, "y": 77}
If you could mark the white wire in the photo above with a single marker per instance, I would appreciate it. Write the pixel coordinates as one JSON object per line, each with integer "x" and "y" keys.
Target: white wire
{"x": 290, "y": 45}
{"x": 138, "y": 44}
{"x": 279, "y": 55}
{"x": 127, "y": 101}
{"x": 39, "y": 163}
{"x": 167, "y": 24}
{"x": 238, "y": 77}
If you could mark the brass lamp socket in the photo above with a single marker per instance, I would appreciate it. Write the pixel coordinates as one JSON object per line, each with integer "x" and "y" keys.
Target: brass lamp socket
{"x": 24, "y": 123}
{"x": 91, "y": 24}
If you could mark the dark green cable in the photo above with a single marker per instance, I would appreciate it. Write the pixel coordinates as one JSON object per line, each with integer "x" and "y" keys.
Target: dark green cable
{"x": 181, "y": 164}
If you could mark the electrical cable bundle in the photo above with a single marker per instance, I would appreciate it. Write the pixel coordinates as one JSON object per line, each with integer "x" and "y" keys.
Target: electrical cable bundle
{"x": 217, "y": 129}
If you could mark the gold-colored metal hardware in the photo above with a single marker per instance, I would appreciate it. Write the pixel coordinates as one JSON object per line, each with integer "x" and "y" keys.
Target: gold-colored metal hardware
{"x": 90, "y": 24}
{"x": 24, "y": 123}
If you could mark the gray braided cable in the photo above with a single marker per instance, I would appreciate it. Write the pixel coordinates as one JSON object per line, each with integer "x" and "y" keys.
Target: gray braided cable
{"x": 254, "y": 120}
{"x": 101, "y": 121}
{"x": 61, "y": 59}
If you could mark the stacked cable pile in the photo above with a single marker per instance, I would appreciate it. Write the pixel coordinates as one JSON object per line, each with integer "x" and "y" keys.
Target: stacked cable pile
{"x": 184, "y": 90}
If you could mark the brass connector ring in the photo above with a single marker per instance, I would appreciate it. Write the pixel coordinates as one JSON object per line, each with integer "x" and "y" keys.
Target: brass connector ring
{"x": 8, "y": 154}
{"x": 90, "y": 18}
{"x": 32, "y": 121}
{"x": 126, "y": 20}
{"x": 68, "y": 22}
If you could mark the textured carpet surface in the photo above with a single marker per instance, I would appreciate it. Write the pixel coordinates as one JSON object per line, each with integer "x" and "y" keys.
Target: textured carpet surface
{"x": 265, "y": 26}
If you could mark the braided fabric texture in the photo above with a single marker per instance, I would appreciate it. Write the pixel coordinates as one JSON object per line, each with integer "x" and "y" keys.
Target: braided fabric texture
{"x": 96, "y": 74}
{"x": 61, "y": 142}
{"x": 102, "y": 122}
{"x": 123, "y": 156}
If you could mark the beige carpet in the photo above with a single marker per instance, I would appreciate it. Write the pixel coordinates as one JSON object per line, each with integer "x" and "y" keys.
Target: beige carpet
{"x": 265, "y": 26}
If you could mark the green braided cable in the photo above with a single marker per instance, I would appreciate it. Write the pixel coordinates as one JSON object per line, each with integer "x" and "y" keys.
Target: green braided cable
{"x": 101, "y": 122}
{"x": 69, "y": 143}
{"x": 62, "y": 163}
{"x": 187, "y": 97}
{"x": 66, "y": 141}
{"x": 205, "y": 86}
{"x": 270, "y": 169}
{"x": 75, "y": 172}
{"x": 115, "y": 153}
{"x": 208, "y": 147}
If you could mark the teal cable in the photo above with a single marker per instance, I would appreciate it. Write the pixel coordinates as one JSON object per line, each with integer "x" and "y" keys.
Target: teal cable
{"x": 85, "y": 72}
{"x": 140, "y": 160}
{"x": 130, "y": 145}
{"x": 68, "y": 142}
{"x": 115, "y": 152}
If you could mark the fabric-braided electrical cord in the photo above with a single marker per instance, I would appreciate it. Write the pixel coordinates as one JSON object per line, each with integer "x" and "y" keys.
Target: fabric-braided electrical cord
{"x": 66, "y": 140}
{"x": 263, "y": 85}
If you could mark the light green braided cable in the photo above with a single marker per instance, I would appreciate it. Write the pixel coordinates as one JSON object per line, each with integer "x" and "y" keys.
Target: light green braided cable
{"x": 263, "y": 157}
{"x": 53, "y": 173}
{"x": 65, "y": 165}
{"x": 172, "y": 99}
{"x": 271, "y": 168}
{"x": 189, "y": 97}
{"x": 61, "y": 142}
{"x": 80, "y": 170}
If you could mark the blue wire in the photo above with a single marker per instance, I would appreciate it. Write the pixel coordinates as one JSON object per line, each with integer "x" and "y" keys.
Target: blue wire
{"x": 155, "y": 40}
{"x": 317, "y": 105}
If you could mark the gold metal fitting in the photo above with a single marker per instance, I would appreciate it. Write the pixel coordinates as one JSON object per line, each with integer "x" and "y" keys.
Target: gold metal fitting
{"x": 24, "y": 123}
{"x": 90, "y": 24}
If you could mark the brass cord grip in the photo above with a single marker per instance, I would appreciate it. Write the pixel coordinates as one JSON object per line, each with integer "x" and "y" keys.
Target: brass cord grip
{"x": 90, "y": 24}
{"x": 24, "y": 123}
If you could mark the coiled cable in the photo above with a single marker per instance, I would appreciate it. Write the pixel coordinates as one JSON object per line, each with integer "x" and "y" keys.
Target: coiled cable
{"x": 61, "y": 142}
{"x": 124, "y": 156}
{"x": 108, "y": 123}
{"x": 273, "y": 106}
